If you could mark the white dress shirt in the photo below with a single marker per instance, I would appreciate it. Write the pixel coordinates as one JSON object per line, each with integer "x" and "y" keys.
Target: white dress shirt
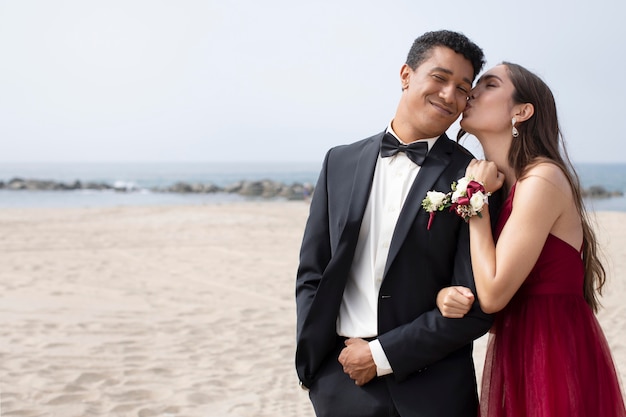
{"x": 358, "y": 314}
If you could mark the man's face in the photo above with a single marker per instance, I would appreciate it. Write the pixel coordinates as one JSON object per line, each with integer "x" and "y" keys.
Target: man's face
{"x": 435, "y": 93}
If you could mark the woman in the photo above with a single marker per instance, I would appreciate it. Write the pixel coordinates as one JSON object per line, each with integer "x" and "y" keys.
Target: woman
{"x": 547, "y": 355}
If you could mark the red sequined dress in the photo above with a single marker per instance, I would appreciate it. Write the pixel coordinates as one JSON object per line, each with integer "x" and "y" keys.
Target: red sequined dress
{"x": 547, "y": 355}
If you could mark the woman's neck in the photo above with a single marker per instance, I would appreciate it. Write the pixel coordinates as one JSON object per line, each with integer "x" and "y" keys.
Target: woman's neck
{"x": 500, "y": 156}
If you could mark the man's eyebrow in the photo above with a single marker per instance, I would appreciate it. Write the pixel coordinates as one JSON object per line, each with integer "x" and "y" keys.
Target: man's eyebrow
{"x": 449, "y": 72}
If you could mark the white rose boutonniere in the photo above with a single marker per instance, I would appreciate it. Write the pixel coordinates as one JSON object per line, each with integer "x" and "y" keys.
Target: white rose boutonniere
{"x": 435, "y": 200}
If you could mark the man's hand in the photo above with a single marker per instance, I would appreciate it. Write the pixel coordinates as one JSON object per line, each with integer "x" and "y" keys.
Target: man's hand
{"x": 455, "y": 302}
{"x": 357, "y": 361}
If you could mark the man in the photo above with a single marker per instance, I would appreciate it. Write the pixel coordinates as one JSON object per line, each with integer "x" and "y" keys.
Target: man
{"x": 370, "y": 340}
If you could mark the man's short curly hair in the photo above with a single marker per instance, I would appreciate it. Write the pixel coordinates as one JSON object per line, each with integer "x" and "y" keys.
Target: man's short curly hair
{"x": 459, "y": 43}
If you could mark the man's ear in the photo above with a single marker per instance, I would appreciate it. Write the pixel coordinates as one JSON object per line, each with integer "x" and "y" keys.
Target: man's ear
{"x": 524, "y": 112}
{"x": 405, "y": 76}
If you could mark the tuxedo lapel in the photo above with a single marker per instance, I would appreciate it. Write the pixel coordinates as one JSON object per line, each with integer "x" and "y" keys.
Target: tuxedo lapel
{"x": 437, "y": 160}
{"x": 339, "y": 265}
{"x": 363, "y": 177}
{"x": 361, "y": 188}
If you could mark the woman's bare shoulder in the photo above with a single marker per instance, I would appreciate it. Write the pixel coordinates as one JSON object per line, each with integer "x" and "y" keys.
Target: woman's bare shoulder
{"x": 545, "y": 174}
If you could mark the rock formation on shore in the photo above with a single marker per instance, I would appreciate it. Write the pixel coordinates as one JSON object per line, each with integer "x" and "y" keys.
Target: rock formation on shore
{"x": 598, "y": 191}
{"x": 262, "y": 188}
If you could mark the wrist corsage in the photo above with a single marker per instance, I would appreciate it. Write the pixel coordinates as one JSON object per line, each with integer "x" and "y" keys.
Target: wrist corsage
{"x": 467, "y": 199}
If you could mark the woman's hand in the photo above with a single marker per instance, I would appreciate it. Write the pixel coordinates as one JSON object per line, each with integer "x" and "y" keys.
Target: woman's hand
{"x": 485, "y": 172}
{"x": 454, "y": 302}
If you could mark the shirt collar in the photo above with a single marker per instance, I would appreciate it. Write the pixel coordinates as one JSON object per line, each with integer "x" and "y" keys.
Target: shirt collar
{"x": 429, "y": 141}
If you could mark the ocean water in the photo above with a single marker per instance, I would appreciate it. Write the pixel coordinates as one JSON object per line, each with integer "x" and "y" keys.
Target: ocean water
{"x": 148, "y": 175}
{"x": 610, "y": 176}
{"x": 143, "y": 176}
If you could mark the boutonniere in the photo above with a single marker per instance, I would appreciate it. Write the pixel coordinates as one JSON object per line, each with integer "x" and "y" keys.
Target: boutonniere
{"x": 467, "y": 198}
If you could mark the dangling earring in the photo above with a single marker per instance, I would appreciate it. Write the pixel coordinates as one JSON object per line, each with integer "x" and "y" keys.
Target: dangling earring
{"x": 514, "y": 131}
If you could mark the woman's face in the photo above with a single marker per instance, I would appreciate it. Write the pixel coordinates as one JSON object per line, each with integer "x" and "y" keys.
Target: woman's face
{"x": 489, "y": 109}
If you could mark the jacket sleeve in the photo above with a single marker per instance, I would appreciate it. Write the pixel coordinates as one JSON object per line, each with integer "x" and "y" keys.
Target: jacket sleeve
{"x": 315, "y": 252}
{"x": 315, "y": 331}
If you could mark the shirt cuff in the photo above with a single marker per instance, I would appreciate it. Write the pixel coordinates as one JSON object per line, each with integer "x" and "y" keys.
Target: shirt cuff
{"x": 380, "y": 359}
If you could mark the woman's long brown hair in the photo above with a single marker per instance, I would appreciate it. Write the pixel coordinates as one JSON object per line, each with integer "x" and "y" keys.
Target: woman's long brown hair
{"x": 540, "y": 140}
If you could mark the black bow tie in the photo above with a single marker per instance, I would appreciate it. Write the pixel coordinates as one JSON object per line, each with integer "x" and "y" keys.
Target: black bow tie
{"x": 415, "y": 151}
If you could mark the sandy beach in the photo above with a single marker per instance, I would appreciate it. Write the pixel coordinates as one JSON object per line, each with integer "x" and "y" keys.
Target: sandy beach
{"x": 174, "y": 311}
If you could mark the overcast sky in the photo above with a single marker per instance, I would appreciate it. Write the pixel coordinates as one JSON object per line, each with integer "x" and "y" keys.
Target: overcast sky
{"x": 275, "y": 80}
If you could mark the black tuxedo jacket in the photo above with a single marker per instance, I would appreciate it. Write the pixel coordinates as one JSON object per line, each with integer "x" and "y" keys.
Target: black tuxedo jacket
{"x": 431, "y": 356}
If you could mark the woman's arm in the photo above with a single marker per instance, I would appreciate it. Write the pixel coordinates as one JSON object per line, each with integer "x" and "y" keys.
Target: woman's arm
{"x": 499, "y": 270}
